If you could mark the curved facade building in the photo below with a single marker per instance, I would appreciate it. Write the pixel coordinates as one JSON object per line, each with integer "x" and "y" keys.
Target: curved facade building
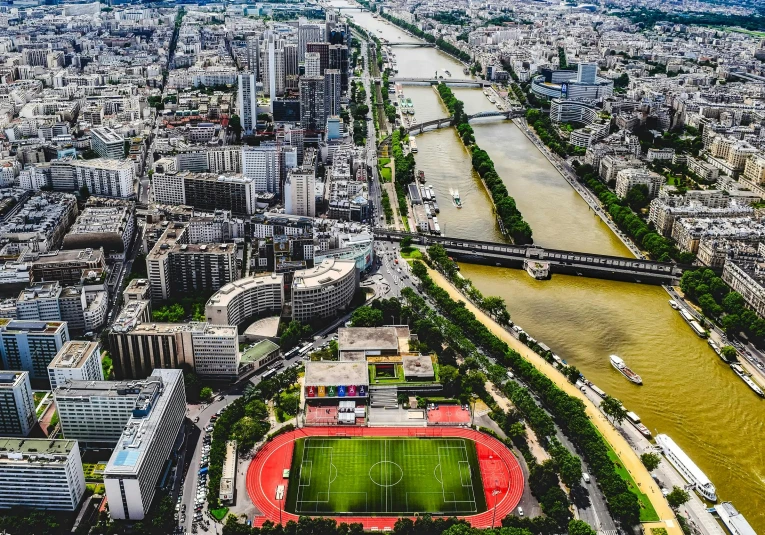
{"x": 580, "y": 84}
{"x": 577, "y": 111}
{"x": 246, "y": 298}
{"x": 324, "y": 290}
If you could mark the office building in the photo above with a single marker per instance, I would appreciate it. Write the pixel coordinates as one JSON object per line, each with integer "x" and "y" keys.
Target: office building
{"x": 67, "y": 267}
{"x": 96, "y": 412}
{"x": 312, "y": 64}
{"x": 31, "y": 345}
{"x": 324, "y": 290}
{"x": 300, "y": 187}
{"x": 253, "y": 54}
{"x": 39, "y": 302}
{"x": 216, "y": 350}
{"x": 40, "y": 474}
{"x": 207, "y": 191}
{"x": 313, "y": 115}
{"x": 17, "y": 408}
{"x": 107, "y": 143}
{"x": 322, "y": 48}
{"x": 247, "y": 101}
{"x": 291, "y": 67}
{"x": 339, "y": 60}
{"x": 107, "y": 224}
{"x": 105, "y": 177}
{"x": 273, "y": 68}
{"x": 263, "y": 165}
{"x": 332, "y": 90}
{"x": 308, "y": 33}
{"x": 245, "y": 299}
{"x": 76, "y": 361}
{"x": 145, "y": 446}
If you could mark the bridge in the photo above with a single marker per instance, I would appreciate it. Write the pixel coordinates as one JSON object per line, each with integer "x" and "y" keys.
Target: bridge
{"x": 446, "y": 122}
{"x": 413, "y": 44}
{"x": 564, "y": 262}
{"x": 462, "y": 82}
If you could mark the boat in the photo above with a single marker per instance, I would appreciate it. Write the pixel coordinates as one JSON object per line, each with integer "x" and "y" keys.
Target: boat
{"x": 717, "y": 350}
{"x": 673, "y": 304}
{"x": 733, "y": 520}
{"x": 492, "y": 99}
{"x": 412, "y": 145}
{"x": 635, "y": 421}
{"x": 687, "y": 468}
{"x": 738, "y": 370}
{"x": 486, "y": 92}
{"x": 698, "y": 329}
{"x": 456, "y": 198}
{"x": 435, "y": 207}
{"x": 421, "y": 176}
{"x": 597, "y": 390}
{"x": 625, "y": 370}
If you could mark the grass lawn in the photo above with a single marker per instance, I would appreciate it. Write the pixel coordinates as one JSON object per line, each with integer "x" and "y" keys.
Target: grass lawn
{"x": 386, "y": 174}
{"x": 220, "y": 513}
{"x": 405, "y": 221}
{"x": 96, "y": 488}
{"x": 385, "y": 476}
{"x": 94, "y": 471}
{"x": 411, "y": 253}
{"x": 647, "y": 512}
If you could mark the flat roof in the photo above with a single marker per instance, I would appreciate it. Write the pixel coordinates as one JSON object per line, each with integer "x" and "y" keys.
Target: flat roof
{"x": 367, "y": 339}
{"x": 80, "y": 389}
{"x": 328, "y": 373}
{"x": 258, "y": 351}
{"x": 9, "y": 379}
{"x": 40, "y": 446}
{"x": 72, "y": 255}
{"x": 352, "y": 356}
{"x": 30, "y": 325}
{"x": 418, "y": 366}
{"x": 329, "y": 271}
{"x": 228, "y": 292}
{"x": 73, "y": 354}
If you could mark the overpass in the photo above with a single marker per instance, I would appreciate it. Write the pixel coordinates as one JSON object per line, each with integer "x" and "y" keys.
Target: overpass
{"x": 564, "y": 262}
{"x": 462, "y": 82}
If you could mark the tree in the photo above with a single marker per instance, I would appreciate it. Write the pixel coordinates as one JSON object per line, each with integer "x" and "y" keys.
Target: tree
{"x": 367, "y": 317}
{"x": 677, "y": 497}
{"x": 730, "y": 353}
{"x": 235, "y": 124}
{"x": 84, "y": 192}
{"x": 406, "y": 242}
{"x": 637, "y": 197}
{"x": 651, "y": 461}
{"x": 580, "y": 527}
{"x": 614, "y": 409}
{"x": 206, "y": 394}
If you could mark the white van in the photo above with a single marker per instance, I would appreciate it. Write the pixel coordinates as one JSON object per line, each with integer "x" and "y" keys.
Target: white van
{"x": 586, "y": 477}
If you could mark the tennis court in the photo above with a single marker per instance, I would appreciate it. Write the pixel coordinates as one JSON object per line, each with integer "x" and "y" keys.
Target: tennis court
{"x": 385, "y": 476}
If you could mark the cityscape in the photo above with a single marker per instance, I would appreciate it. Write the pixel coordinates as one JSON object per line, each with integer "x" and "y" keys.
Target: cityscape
{"x": 328, "y": 267}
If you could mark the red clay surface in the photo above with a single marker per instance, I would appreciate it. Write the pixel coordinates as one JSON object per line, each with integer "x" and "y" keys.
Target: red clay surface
{"x": 320, "y": 415}
{"x": 500, "y": 471}
{"x": 448, "y": 414}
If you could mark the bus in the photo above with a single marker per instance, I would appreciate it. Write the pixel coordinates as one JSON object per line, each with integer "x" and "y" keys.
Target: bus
{"x": 303, "y": 350}
{"x": 268, "y": 374}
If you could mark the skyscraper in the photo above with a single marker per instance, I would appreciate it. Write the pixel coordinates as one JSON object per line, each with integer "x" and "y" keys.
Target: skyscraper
{"x": 247, "y": 101}
{"x": 300, "y": 187}
{"x": 263, "y": 165}
{"x": 338, "y": 59}
{"x": 291, "y": 66}
{"x": 332, "y": 89}
{"x": 308, "y": 33}
{"x": 273, "y": 70}
{"x": 253, "y": 54}
{"x": 323, "y": 50}
{"x": 313, "y": 114}
{"x": 312, "y": 64}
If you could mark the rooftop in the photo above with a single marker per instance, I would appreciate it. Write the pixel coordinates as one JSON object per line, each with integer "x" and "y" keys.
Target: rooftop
{"x": 224, "y": 296}
{"x": 73, "y": 354}
{"x": 328, "y": 373}
{"x": 329, "y": 271}
{"x": 258, "y": 351}
{"x": 33, "y": 446}
{"x": 9, "y": 379}
{"x": 74, "y": 255}
{"x": 418, "y": 366}
{"x": 264, "y": 327}
{"x": 367, "y": 339}
{"x": 107, "y": 389}
{"x": 45, "y": 327}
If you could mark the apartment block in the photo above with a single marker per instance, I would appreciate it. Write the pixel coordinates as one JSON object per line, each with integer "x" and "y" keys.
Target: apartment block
{"x": 107, "y": 143}
{"x": 17, "y": 409}
{"x": 31, "y": 345}
{"x": 76, "y": 361}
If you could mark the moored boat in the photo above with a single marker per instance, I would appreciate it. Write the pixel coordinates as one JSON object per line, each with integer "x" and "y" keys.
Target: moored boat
{"x": 687, "y": 468}
{"x": 625, "y": 370}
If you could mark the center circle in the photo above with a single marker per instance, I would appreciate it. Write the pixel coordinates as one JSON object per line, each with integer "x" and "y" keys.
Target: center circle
{"x": 386, "y": 474}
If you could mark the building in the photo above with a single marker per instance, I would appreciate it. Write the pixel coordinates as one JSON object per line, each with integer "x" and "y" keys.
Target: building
{"x": 343, "y": 379}
{"x": 579, "y": 84}
{"x": 40, "y": 474}
{"x": 31, "y": 345}
{"x": 39, "y": 302}
{"x": 107, "y": 143}
{"x": 76, "y": 361}
{"x": 106, "y": 177}
{"x": 300, "y": 187}
{"x": 17, "y": 408}
{"x": 332, "y": 91}
{"x": 228, "y": 475}
{"x": 688, "y": 232}
{"x": 702, "y": 169}
{"x": 308, "y": 33}
{"x": 145, "y": 446}
{"x": 67, "y": 267}
{"x": 312, "y": 64}
{"x": 313, "y": 114}
{"x": 626, "y": 179}
{"x": 324, "y": 290}
{"x": 263, "y": 165}
{"x": 207, "y": 191}
{"x": 247, "y": 100}
{"x": 246, "y": 298}
{"x": 108, "y": 227}
{"x": 176, "y": 267}
{"x": 216, "y": 350}
{"x": 747, "y": 277}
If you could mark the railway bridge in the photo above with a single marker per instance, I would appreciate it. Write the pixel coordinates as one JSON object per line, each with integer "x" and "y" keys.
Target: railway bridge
{"x": 559, "y": 261}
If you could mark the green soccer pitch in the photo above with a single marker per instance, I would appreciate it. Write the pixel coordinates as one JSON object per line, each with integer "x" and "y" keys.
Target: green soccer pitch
{"x": 385, "y": 476}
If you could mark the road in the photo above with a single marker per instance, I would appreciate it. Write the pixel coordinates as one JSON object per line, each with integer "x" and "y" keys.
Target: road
{"x": 568, "y": 173}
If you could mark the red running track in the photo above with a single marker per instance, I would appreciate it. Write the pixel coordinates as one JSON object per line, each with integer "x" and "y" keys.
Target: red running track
{"x": 500, "y": 470}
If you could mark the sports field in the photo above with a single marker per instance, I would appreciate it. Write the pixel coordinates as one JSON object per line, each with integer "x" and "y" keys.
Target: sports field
{"x": 385, "y": 476}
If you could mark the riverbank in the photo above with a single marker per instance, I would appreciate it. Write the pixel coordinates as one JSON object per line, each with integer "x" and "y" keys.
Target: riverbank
{"x": 620, "y": 446}
{"x": 583, "y": 192}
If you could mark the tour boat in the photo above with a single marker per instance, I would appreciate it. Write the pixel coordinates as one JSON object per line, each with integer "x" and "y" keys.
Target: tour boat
{"x": 456, "y": 198}
{"x": 687, "y": 468}
{"x": 619, "y": 364}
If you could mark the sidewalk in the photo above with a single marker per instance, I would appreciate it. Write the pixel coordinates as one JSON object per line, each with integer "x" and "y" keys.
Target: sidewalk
{"x": 628, "y": 457}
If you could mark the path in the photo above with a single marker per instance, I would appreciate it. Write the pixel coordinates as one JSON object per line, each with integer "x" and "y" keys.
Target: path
{"x": 628, "y": 457}
{"x": 505, "y": 404}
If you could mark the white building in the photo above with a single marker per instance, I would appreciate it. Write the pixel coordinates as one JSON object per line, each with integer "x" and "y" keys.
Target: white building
{"x": 107, "y": 143}
{"x": 216, "y": 350}
{"x": 136, "y": 464}
{"x": 246, "y": 298}
{"x": 247, "y": 101}
{"x": 40, "y": 474}
{"x": 626, "y": 179}
{"x": 31, "y": 345}
{"x": 300, "y": 187}
{"x": 105, "y": 177}
{"x": 77, "y": 361}
{"x": 17, "y": 408}
{"x": 323, "y": 290}
{"x": 263, "y": 165}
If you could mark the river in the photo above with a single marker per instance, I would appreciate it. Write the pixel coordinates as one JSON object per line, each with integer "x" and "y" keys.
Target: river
{"x": 688, "y": 392}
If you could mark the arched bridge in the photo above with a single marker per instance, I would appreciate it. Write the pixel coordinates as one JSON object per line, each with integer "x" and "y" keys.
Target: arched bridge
{"x": 464, "y": 82}
{"x": 413, "y": 44}
{"x": 565, "y": 262}
{"x": 445, "y": 122}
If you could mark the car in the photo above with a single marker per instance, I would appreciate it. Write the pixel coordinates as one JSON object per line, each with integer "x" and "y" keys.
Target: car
{"x": 196, "y": 419}
{"x": 520, "y": 511}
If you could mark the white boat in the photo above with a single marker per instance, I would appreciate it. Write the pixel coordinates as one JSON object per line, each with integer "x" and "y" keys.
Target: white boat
{"x": 738, "y": 370}
{"x": 673, "y": 304}
{"x": 456, "y": 198}
{"x": 687, "y": 468}
{"x": 635, "y": 420}
{"x": 733, "y": 520}
{"x": 625, "y": 370}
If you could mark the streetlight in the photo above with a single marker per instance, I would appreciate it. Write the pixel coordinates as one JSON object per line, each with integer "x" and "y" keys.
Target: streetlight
{"x": 494, "y": 493}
